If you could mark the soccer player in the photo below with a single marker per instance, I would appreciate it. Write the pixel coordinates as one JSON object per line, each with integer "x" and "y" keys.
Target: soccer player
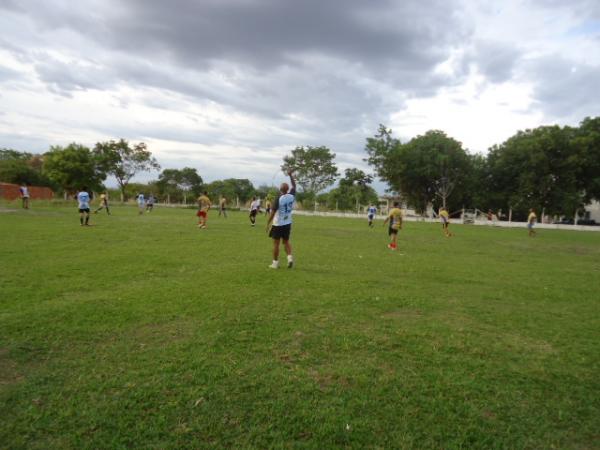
{"x": 531, "y": 220}
{"x": 103, "y": 203}
{"x": 281, "y": 216}
{"x": 141, "y": 201}
{"x": 268, "y": 206}
{"x": 445, "y": 220}
{"x": 371, "y": 213}
{"x": 150, "y": 203}
{"x": 395, "y": 219}
{"x": 222, "y": 207}
{"x": 203, "y": 207}
{"x": 24, "y": 190}
{"x": 254, "y": 207}
{"x": 84, "y": 207}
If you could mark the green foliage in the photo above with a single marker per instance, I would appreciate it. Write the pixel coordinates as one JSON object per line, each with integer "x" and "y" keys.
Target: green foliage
{"x": 313, "y": 167}
{"x": 353, "y": 190}
{"x": 22, "y": 168}
{"x": 432, "y": 168}
{"x": 74, "y": 167}
{"x": 123, "y": 161}
{"x": 587, "y": 141}
{"x": 145, "y": 332}
{"x": 179, "y": 184}
{"x": 231, "y": 189}
{"x": 539, "y": 168}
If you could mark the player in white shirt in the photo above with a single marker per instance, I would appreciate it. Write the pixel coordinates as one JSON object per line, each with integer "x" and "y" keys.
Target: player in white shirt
{"x": 371, "y": 214}
{"x": 254, "y": 209}
{"x": 141, "y": 201}
{"x": 83, "y": 199}
{"x": 25, "y": 195}
{"x": 281, "y": 217}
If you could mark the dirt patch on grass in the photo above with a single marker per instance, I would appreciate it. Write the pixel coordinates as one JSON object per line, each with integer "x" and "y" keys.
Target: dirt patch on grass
{"x": 9, "y": 372}
{"x": 403, "y": 314}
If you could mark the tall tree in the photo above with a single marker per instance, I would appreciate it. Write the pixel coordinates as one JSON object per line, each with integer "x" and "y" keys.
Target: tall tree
{"x": 124, "y": 161}
{"x": 431, "y": 168}
{"x": 178, "y": 183}
{"x": 539, "y": 168}
{"x": 353, "y": 190}
{"x": 313, "y": 167}
{"x": 587, "y": 142}
{"x": 21, "y": 167}
{"x": 73, "y": 167}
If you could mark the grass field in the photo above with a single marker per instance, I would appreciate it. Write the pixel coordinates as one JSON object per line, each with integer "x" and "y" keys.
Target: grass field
{"x": 146, "y": 332}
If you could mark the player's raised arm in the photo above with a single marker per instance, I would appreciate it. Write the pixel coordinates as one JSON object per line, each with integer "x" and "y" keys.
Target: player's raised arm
{"x": 292, "y": 181}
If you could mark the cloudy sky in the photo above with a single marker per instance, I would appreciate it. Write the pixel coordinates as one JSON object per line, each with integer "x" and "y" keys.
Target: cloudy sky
{"x": 231, "y": 86}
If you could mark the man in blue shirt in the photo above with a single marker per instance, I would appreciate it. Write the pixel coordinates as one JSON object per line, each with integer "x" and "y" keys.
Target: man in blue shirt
{"x": 83, "y": 199}
{"x": 371, "y": 213}
{"x": 281, "y": 217}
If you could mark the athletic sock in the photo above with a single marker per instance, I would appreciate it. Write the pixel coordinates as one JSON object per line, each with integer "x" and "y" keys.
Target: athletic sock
{"x": 87, "y": 219}
{"x": 81, "y": 220}
{"x": 290, "y": 258}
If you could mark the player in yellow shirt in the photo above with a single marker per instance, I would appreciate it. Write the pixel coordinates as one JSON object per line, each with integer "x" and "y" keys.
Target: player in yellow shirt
{"x": 103, "y": 203}
{"x": 203, "y": 207}
{"x": 222, "y": 207}
{"x": 268, "y": 206}
{"x": 445, "y": 219}
{"x": 531, "y": 220}
{"x": 395, "y": 220}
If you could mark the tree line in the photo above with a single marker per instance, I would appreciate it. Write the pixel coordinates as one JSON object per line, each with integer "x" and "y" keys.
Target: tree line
{"x": 551, "y": 168}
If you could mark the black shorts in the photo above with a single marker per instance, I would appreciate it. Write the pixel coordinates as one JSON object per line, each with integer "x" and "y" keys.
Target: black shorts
{"x": 281, "y": 232}
{"x": 392, "y": 231}
{"x": 253, "y": 213}
{"x": 84, "y": 210}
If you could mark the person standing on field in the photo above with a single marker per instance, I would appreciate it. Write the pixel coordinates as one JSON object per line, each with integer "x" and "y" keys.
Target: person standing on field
{"x": 395, "y": 220}
{"x": 83, "y": 199}
{"x": 371, "y": 214}
{"x": 150, "y": 203}
{"x": 103, "y": 203}
{"x": 281, "y": 217}
{"x": 531, "y": 221}
{"x": 445, "y": 219}
{"x": 203, "y": 207}
{"x": 222, "y": 207}
{"x": 141, "y": 201}
{"x": 268, "y": 206}
{"x": 24, "y": 190}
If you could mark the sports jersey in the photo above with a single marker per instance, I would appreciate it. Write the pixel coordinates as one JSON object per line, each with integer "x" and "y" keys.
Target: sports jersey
{"x": 84, "y": 200}
{"x": 103, "y": 199}
{"x": 444, "y": 215}
{"x": 532, "y": 218}
{"x": 223, "y": 202}
{"x": 24, "y": 191}
{"x": 204, "y": 202}
{"x": 151, "y": 200}
{"x": 395, "y": 217}
{"x": 268, "y": 204}
{"x": 283, "y": 207}
{"x": 140, "y": 199}
{"x": 371, "y": 211}
{"x": 254, "y": 205}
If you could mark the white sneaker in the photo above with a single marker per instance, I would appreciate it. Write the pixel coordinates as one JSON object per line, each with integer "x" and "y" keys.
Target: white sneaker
{"x": 290, "y": 263}
{"x": 274, "y": 266}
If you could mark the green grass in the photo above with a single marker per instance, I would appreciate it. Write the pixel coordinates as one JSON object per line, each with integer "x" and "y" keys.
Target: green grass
{"x": 145, "y": 332}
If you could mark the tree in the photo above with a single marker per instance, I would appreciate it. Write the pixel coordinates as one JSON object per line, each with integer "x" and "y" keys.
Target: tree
{"x": 231, "y": 188}
{"x": 21, "y": 167}
{"x": 124, "y": 162}
{"x": 178, "y": 183}
{"x": 353, "y": 190}
{"x": 539, "y": 168}
{"x": 424, "y": 169}
{"x": 313, "y": 168}
{"x": 73, "y": 167}
{"x": 381, "y": 150}
{"x": 587, "y": 143}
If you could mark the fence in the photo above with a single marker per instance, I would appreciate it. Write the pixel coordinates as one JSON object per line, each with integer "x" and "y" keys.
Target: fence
{"x": 11, "y": 192}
